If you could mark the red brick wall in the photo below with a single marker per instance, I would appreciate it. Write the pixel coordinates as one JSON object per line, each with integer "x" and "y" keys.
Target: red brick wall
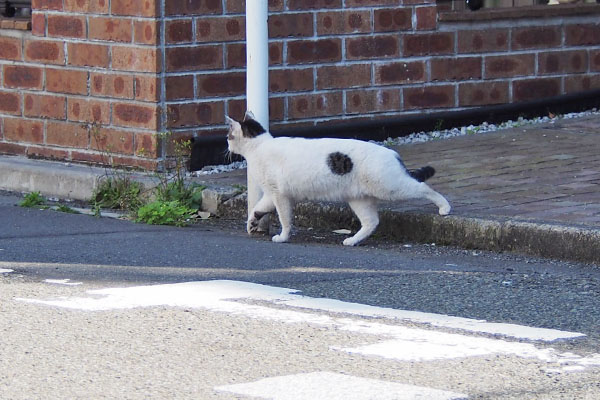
{"x": 86, "y": 78}
{"x": 135, "y": 68}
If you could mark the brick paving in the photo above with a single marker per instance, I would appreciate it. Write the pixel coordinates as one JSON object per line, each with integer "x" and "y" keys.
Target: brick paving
{"x": 546, "y": 173}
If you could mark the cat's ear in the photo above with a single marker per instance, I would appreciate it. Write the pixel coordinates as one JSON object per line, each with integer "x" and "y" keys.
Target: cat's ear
{"x": 230, "y": 121}
{"x": 249, "y": 115}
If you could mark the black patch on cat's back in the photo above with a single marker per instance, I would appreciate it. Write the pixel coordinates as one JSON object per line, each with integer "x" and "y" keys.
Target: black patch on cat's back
{"x": 339, "y": 163}
{"x": 252, "y": 128}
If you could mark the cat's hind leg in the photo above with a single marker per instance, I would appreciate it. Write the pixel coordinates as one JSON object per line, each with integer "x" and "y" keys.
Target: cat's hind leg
{"x": 437, "y": 199}
{"x": 366, "y": 211}
{"x": 263, "y": 206}
{"x": 285, "y": 211}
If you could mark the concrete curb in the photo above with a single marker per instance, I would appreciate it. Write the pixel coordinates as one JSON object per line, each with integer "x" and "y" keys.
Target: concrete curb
{"x": 573, "y": 243}
{"x": 542, "y": 240}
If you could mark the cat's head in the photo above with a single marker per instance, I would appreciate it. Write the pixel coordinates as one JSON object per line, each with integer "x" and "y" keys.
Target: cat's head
{"x": 241, "y": 133}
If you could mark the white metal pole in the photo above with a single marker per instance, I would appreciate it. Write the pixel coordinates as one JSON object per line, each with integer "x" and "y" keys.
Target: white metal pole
{"x": 257, "y": 78}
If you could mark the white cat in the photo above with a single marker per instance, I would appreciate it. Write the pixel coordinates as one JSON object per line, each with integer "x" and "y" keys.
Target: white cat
{"x": 295, "y": 169}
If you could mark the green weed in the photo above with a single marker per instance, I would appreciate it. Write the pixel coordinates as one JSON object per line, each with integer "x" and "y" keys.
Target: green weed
{"x": 165, "y": 213}
{"x": 118, "y": 193}
{"x": 33, "y": 200}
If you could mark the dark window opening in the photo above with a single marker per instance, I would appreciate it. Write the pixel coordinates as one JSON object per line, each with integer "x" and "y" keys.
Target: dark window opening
{"x": 15, "y": 8}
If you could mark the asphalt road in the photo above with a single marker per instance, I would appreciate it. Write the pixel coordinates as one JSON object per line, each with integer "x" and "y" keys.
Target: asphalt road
{"x": 192, "y": 350}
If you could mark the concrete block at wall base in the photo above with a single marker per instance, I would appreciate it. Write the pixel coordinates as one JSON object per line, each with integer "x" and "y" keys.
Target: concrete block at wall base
{"x": 61, "y": 180}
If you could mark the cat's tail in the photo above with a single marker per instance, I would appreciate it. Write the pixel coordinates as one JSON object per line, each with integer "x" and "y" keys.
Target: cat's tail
{"x": 422, "y": 174}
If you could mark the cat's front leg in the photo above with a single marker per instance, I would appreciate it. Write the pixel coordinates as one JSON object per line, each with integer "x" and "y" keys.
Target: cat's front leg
{"x": 264, "y": 206}
{"x": 285, "y": 209}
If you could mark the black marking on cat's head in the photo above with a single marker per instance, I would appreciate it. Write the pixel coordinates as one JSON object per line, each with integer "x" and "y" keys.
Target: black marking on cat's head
{"x": 339, "y": 163}
{"x": 251, "y": 128}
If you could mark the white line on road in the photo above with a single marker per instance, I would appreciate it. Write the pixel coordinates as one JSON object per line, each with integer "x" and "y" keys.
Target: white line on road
{"x": 5, "y": 271}
{"x": 397, "y": 342}
{"x": 332, "y": 386}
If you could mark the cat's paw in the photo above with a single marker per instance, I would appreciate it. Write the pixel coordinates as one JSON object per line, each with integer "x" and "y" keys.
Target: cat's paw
{"x": 350, "y": 242}
{"x": 445, "y": 210}
{"x": 280, "y": 238}
{"x": 252, "y": 225}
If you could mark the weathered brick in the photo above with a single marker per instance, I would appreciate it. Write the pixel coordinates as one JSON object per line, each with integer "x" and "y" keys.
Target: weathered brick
{"x": 66, "y": 26}
{"x": 195, "y": 114}
{"x": 44, "y": 51}
{"x": 141, "y": 8}
{"x": 179, "y": 31}
{"x": 429, "y": 97}
{"x": 400, "y": 72}
{"x": 291, "y": 80}
{"x": 10, "y": 48}
{"x": 56, "y": 5}
{"x": 562, "y": 62}
{"x": 222, "y": 29}
{"x": 20, "y": 76}
{"x": 135, "y": 58}
{"x": 429, "y": 43}
{"x": 87, "y": 6}
{"x": 315, "y": 105}
{"x": 343, "y": 22}
{"x": 110, "y": 29}
{"x": 340, "y": 77}
{"x": 369, "y": 3}
{"x": 392, "y": 19}
{"x": 426, "y": 17}
{"x": 146, "y": 31}
{"x": 179, "y": 87}
{"x": 578, "y": 83}
{"x": 536, "y": 37}
{"x": 146, "y": 144}
{"x": 313, "y": 4}
{"x": 10, "y": 103}
{"x": 531, "y": 89}
{"x": 113, "y": 141}
{"x": 314, "y": 51}
{"x": 482, "y": 41}
{"x": 67, "y": 134}
{"x": 582, "y": 34}
{"x": 93, "y": 158}
{"x": 87, "y": 54}
{"x": 135, "y": 115}
{"x": 455, "y": 69}
{"x": 369, "y": 47}
{"x": 373, "y": 100}
{"x": 13, "y": 148}
{"x": 295, "y": 25}
{"x": 38, "y": 24}
{"x": 221, "y": 84}
{"x": 508, "y": 66}
{"x": 45, "y": 106}
{"x": 193, "y": 7}
{"x": 595, "y": 60}
{"x": 111, "y": 85}
{"x": 194, "y": 58}
{"x": 46, "y": 153}
{"x": 482, "y": 93}
{"x": 86, "y": 110}
{"x": 147, "y": 88}
{"x": 66, "y": 81}
{"x": 23, "y": 130}
{"x": 276, "y": 108}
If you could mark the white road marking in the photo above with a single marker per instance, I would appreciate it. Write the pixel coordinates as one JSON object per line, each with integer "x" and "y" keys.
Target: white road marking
{"x": 332, "y": 386}
{"x": 397, "y": 342}
{"x": 5, "y": 271}
{"x": 66, "y": 282}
